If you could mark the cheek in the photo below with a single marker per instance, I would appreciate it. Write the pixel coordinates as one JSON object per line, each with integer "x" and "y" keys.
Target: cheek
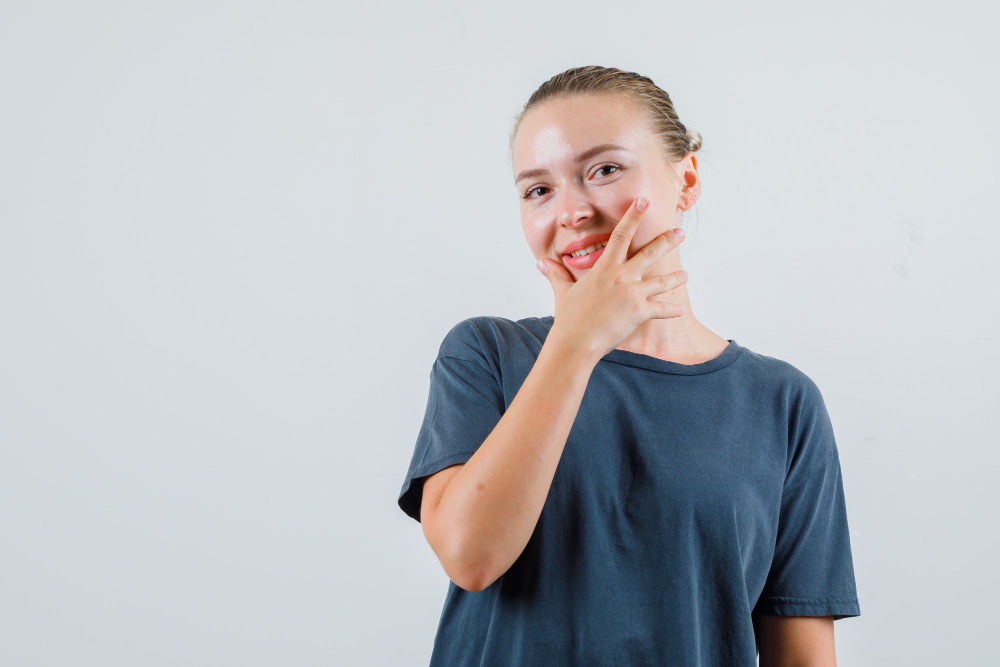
{"x": 616, "y": 202}
{"x": 536, "y": 234}
{"x": 662, "y": 203}
{"x": 651, "y": 226}
{"x": 616, "y": 197}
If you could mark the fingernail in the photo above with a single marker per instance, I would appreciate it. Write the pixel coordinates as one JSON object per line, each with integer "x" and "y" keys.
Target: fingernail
{"x": 541, "y": 266}
{"x": 679, "y": 233}
{"x": 641, "y": 204}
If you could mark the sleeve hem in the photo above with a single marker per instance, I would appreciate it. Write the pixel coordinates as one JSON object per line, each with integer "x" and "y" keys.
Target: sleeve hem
{"x": 796, "y": 606}
{"x": 410, "y": 496}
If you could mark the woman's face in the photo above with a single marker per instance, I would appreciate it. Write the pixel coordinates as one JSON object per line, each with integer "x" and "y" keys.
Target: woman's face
{"x": 580, "y": 161}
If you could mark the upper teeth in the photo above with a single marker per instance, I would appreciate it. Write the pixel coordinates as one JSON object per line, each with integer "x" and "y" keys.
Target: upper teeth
{"x": 589, "y": 249}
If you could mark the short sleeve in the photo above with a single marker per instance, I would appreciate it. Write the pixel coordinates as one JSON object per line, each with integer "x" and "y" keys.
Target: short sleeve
{"x": 464, "y": 403}
{"x": 812, "y": 569}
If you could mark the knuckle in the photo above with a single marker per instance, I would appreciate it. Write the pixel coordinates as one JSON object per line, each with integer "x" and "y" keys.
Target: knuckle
{"x": 622, "y": 278}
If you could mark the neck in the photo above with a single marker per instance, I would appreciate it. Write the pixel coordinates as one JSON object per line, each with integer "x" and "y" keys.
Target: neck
{"x": 682, "y": 339}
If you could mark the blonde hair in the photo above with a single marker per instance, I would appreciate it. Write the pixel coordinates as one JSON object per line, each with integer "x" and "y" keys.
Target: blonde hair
{"x": 677, "y": 140}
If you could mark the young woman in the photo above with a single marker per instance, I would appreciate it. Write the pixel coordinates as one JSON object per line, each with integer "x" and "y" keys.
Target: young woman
{"x": 617, "y": 484}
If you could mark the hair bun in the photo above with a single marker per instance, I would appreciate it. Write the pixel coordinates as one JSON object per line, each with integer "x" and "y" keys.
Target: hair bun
{"x": 694, "y": 140}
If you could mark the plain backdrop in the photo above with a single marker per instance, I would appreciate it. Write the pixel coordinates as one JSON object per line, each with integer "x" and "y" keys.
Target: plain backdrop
{"x": 233, "y": 235}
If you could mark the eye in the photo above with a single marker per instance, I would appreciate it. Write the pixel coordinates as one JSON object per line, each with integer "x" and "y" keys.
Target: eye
{"x": 527, "y": 195}
{"x": 602, "y": 169}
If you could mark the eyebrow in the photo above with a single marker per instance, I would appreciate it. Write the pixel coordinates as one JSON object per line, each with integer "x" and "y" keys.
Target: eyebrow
{"x": 585, "y": 155}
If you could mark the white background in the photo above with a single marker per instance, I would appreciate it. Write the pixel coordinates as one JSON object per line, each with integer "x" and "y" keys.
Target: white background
{"x": 232, "y": 236}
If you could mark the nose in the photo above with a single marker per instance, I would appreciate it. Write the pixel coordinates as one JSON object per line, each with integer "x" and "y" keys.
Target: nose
{"x": 574, "y": 210}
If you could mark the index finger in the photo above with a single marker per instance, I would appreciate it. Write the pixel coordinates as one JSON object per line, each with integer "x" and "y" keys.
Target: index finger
{"x": 621, "y": 237}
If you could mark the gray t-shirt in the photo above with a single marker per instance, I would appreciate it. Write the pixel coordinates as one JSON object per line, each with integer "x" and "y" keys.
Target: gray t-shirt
{"x": 687, "y": 498}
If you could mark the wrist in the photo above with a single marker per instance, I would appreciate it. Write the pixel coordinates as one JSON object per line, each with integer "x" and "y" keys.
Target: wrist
{"x": 571, "y": 350}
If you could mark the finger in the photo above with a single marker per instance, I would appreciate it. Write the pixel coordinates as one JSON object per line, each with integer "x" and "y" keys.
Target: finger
{"x": 621, "y": 237}
{"x": 557, "y": 276}
{"x": 654, "y": 250}
{"x": 662, "y": 283}
{"x": 663, "y": 309}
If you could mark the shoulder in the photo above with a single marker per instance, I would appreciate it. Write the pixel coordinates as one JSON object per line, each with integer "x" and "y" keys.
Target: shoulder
{"x": 485, "y": 338}
{"x": 796, "y": 389}
{"x": 800, "y": 406}
{"x": 470, "y": 337}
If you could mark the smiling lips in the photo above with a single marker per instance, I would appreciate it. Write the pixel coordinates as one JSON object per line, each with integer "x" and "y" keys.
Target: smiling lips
{"x": 586, "y": 241}
{"x": 595, "y": 243}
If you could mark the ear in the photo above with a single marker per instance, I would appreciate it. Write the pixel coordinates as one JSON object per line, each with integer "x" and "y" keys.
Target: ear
{"x": 691, "y": 180}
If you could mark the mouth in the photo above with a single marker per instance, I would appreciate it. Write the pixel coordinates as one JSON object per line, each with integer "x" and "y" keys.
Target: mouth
{"x": 585, "y": 258}
{"x": 584, "y": 242}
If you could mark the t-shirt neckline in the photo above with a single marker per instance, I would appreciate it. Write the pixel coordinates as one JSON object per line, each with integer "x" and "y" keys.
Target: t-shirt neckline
{"x": 639, "y": 360}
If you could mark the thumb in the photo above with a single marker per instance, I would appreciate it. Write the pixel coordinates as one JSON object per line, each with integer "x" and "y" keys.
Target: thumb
{"x": 557, "y": 275}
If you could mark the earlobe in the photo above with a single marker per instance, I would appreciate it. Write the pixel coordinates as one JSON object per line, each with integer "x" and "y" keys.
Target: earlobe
{"x": 691, "y": 184}
{"x": 691, "y": 194}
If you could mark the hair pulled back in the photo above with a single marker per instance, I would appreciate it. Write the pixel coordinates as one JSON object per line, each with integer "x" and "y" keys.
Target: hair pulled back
{"x": 677, "y": 140}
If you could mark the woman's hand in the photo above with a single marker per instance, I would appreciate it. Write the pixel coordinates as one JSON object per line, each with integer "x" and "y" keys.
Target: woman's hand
{"x": 596, "y": 313}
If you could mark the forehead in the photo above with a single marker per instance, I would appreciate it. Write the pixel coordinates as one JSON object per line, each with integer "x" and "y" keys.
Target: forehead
{"x": 567, "y": 125}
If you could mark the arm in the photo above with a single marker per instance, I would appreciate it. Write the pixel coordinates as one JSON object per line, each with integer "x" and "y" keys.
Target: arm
{"x": 479, "y": 516}
{"x": 795, "y": 641}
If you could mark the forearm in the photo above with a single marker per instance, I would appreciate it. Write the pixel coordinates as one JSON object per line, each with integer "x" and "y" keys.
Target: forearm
{"x": 492, "y": 505}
